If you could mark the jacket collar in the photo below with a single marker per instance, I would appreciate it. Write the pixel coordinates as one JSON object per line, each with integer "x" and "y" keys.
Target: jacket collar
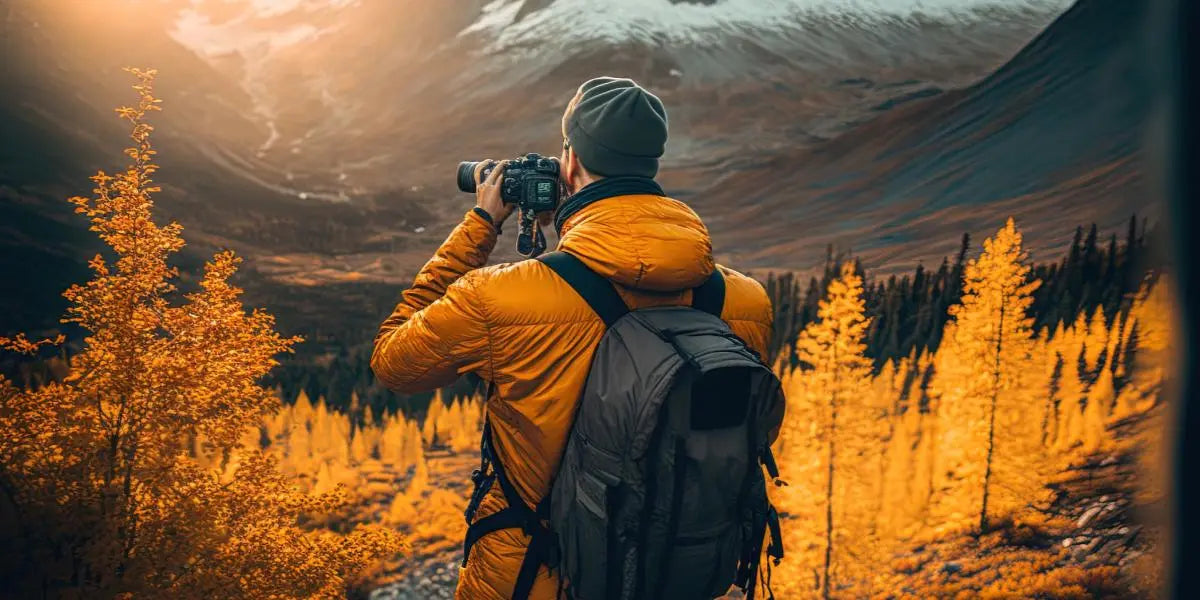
{"x": 605, "y": 188}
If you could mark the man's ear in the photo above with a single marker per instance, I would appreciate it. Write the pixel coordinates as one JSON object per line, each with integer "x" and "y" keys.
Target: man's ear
{"x": 570, "y": 167}
{"x": 579, "y": 175}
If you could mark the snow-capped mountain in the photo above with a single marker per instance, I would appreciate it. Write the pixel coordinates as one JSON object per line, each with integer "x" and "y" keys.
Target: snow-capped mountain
{"x": 387, "y": 87}
{"x": 320, "y": 137}
{"x": 530, "y": 22}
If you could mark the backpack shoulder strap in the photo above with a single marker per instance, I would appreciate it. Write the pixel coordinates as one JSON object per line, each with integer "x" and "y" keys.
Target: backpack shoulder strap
{"x": 710, "y": 295}
{"x": 596, "y": 290}
{"x": 604, "y": 299}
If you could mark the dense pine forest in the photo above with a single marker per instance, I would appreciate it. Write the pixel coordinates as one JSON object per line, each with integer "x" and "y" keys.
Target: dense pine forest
{"x": 908, "y": 313}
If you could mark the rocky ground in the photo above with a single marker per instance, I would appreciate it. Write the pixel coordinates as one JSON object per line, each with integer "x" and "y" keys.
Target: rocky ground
{"x": 1117, "y": 504}
{"x": 429, "y": 579}
{"x": 1100, "y": 538}
{"x": 430, "y": 570}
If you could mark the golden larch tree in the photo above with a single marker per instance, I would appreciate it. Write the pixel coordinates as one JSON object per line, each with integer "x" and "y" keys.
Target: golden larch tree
{"x": 885, "y": 397}
{"x": 838, "y": 385}
{"x": 361, "y": 446}
{"x": 1100, "y": 398}
{"x": 1050, "y": 364}
{"x": 985, "y": 386}
{"x": 101, "y": 494}
{"x": 1097, "y": 341}
{"x": 434, "y": 429}
{"x": 1155, "y": 329}
{"x": 1070, "y": 392}
{"x": 799, "y": 450}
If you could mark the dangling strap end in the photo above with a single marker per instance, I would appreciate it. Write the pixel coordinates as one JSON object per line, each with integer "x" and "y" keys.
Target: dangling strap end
{"x": 775, "y": 548}
{"x": 768, "y": 461}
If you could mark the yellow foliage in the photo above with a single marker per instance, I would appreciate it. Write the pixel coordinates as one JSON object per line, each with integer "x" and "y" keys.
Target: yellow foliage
{"x": 433, "y": 430}
{"x": 990, "y": 455}
{"x": 1100, "y": 399}
{"x": 838, "y": 459}
{"x": 907, "y": 475}
{"x": 102, "y": 495}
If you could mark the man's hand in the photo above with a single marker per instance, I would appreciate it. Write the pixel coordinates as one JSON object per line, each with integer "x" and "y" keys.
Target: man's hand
{"x": 487, "y": 194}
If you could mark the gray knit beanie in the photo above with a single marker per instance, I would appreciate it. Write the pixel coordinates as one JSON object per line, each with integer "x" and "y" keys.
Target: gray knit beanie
{"x": 617, "y": 128}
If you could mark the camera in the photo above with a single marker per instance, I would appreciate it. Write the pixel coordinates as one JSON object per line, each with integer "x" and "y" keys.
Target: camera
{"x": 530, "y": 182}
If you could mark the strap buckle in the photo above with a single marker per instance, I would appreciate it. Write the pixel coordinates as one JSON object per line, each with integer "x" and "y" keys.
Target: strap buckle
{"x": 483, "y": 483}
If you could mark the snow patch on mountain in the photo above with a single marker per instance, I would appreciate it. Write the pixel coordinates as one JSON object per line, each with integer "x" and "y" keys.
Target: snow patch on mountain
{"x": 682, "y": 21}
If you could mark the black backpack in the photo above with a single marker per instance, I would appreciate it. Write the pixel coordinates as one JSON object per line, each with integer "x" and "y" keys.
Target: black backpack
{"x": 660, "y": 493}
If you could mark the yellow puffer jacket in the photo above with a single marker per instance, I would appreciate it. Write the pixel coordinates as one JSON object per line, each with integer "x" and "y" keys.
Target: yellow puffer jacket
{"x": 521, "y": 327}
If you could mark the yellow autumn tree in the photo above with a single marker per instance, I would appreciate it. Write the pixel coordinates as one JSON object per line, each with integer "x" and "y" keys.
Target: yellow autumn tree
{"x": 361, "y": 446}
{"x": 921, "y": 487}
{"x": 837, "y": 388}
{"x": 1156, "y": 327}
{"x": 1100, "y": 399}
{"x": 434, "y": 429}
{"x": 1096, "y": 340}
{"x": 986, "y": 393}
{"x": 1070, "y": 397}
{"x": 885, "y": 398}
{"x": 100, "y": 494}
{"x": 1146, "y": 347}
{"x": 798, "y": 449}
{"x": 1050, "y": 366}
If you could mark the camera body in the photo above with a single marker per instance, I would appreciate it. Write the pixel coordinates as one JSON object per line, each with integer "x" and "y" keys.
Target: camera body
{"x": 530, "y": 182}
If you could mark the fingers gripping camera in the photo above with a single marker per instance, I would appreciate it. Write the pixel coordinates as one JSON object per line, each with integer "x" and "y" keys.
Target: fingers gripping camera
{"x": 531, "y": 183}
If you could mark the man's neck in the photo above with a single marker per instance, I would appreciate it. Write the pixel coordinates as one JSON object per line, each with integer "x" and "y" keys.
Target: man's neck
{"x": 600, "y": 189}
{"x": 586, "y": 180}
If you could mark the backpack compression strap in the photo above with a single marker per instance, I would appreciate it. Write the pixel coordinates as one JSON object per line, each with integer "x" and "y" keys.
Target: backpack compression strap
{"x": 604, "y": 299}
{"x": 516, "y": 515}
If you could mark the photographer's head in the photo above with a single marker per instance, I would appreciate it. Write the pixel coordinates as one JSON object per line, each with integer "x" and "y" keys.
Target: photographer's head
{"x": 611, "y": 128}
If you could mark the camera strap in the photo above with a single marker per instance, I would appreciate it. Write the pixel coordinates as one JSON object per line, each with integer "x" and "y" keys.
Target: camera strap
{"x": 530, "y": 240}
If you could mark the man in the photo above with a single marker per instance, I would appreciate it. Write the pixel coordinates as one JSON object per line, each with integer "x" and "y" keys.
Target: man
{"x": 526, "y": 331}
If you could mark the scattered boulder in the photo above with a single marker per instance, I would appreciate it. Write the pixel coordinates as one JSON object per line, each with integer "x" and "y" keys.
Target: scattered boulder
{"x": 1088, "y": 516}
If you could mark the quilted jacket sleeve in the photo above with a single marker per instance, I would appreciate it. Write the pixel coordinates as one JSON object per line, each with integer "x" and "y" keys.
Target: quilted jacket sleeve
{"x": 439, "y": 328}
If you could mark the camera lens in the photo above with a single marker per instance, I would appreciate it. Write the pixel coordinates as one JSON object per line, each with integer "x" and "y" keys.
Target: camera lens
{"x": 466, "y": 176}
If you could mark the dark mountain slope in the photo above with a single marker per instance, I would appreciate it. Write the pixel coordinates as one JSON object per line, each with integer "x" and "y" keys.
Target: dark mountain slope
{"x": 1053, "y": 137}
